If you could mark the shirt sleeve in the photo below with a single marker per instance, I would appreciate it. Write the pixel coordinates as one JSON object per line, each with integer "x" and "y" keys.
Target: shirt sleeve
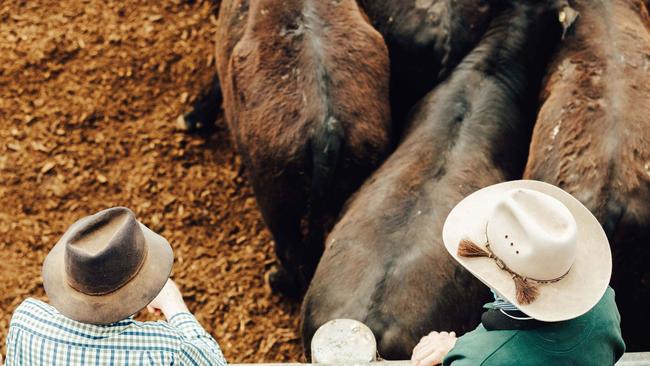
{"x": 198, "y": 347}
{"x": 12, "y": 345}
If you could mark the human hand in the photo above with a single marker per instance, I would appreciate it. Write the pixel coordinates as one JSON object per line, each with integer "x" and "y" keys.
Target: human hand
{"x": 432, "y": 348}
{"x": 169, "y": 301}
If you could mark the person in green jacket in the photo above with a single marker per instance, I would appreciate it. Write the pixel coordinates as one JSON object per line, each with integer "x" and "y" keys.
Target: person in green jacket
{"x": 548, "y": 263}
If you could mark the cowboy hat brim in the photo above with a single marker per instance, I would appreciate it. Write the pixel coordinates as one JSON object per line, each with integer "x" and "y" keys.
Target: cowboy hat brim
{"x": 119, "y": 304}
{"x": 575, "y": 294}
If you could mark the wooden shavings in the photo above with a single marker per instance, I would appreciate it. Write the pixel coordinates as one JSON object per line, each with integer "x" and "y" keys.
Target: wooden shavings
{"x": 47, "y": 167}
{"x": 90, "y": 101}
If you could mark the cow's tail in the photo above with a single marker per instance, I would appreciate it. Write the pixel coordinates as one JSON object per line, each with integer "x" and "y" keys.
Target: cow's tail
{"x": 326, "y": 148}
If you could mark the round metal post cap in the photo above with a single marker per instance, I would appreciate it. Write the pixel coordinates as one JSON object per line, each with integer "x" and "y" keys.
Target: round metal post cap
{"x": 343, "y": 341}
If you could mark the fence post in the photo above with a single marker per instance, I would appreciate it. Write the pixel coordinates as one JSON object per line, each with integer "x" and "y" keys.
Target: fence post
{"x": 343, "y": 341}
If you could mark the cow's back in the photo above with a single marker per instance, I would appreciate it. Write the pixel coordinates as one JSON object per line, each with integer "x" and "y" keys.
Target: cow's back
{"x": 305, "y": 87}
{"x": 426, "y": 39}
{"x": 592, "y": 138}
{"x": 302, "y": 69}
{"x": 385, "y": 263}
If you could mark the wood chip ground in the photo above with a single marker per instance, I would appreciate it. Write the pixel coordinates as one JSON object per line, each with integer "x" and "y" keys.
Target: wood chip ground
{"x": 89, "y": 91}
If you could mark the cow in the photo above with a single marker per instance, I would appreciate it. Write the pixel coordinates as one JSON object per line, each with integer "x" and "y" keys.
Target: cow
{"x": 592, "y": 138}
{"x": 305, "y": 88}
{"x": 426, "y": 39}
{"x": 384, "y": 263}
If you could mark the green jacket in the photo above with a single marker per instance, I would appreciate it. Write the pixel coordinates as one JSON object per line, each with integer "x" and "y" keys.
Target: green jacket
{"x": 591, "y": 339}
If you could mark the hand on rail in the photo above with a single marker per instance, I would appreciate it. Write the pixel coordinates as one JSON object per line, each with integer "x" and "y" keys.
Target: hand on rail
{"x": 432, "y": 348}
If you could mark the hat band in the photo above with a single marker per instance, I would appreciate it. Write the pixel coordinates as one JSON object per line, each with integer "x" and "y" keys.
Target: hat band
{"x": 526, "y": 287}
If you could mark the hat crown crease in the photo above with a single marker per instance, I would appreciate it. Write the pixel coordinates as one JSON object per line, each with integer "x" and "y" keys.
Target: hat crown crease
{"x": 105, "y": 252}
{"x": 536, "y": 227}
{"x": 534, "y": 249}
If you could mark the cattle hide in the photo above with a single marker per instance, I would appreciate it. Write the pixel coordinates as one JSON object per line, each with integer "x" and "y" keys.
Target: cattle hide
{"x": 305, "y": 88}
{"x": 384, "y": 263}
{"x": 592, "y": 138}
{"x": 426, "y": 40}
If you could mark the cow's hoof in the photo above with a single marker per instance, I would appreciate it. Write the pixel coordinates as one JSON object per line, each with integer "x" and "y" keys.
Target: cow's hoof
{"x": 181, "y": 124}
{"x": 282, "y": 282}
{"x": 186, "y": 122}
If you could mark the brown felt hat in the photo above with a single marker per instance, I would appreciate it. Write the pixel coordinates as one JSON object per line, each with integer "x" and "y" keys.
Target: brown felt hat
{"x": 106, "y": 267}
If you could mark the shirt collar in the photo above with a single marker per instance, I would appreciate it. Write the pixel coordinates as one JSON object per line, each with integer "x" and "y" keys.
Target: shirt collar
{"x": 499, "y": 319}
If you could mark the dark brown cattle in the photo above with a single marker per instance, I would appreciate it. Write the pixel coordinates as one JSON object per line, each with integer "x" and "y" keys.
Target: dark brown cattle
{"x": 305, "y": 88}
{"x": 592, "y": 138}
{"x": 426, "y": 40}
{"x": 384, "y": 262}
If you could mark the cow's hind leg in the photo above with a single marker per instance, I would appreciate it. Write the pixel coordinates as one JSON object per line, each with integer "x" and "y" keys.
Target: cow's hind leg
{"x": 287, "y": 279}
{"x": 283, "y": 220}
{"x": 204, "y": 111}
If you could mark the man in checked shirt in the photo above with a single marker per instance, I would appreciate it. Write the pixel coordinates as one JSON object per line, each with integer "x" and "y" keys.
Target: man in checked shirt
{"x": 105, "y": 268}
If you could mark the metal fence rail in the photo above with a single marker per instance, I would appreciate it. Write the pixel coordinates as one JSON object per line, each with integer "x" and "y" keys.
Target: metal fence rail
{"x": 345, "y": 342}
{"x": 635, "y": 359}
{"x": 629, "y": 359}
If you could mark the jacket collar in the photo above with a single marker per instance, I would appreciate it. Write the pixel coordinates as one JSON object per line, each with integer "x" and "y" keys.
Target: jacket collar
{"x": 498, "y": 319}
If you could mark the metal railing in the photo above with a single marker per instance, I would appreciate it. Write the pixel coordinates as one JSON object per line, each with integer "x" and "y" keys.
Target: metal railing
{"x": 345, "y": 342}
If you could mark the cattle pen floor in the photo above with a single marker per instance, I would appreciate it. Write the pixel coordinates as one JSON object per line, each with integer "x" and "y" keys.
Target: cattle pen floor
{"x": 89, "y": 91}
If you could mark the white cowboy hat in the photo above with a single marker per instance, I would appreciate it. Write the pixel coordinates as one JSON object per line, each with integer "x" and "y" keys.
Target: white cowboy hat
{"x": 535, "y": 245}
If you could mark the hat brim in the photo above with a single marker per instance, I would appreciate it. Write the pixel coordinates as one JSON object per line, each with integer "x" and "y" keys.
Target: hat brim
{"x": 566, "y": 299}
{"x": 119, "y": 304}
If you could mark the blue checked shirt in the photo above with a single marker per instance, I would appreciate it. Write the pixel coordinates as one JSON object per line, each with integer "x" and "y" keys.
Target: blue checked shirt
{"x": 40, "y": 335}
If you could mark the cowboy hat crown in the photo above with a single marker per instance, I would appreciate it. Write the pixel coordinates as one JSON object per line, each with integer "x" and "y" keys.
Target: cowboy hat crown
{"x": 105, "y": 252}
{"x": 534, "y": 234}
